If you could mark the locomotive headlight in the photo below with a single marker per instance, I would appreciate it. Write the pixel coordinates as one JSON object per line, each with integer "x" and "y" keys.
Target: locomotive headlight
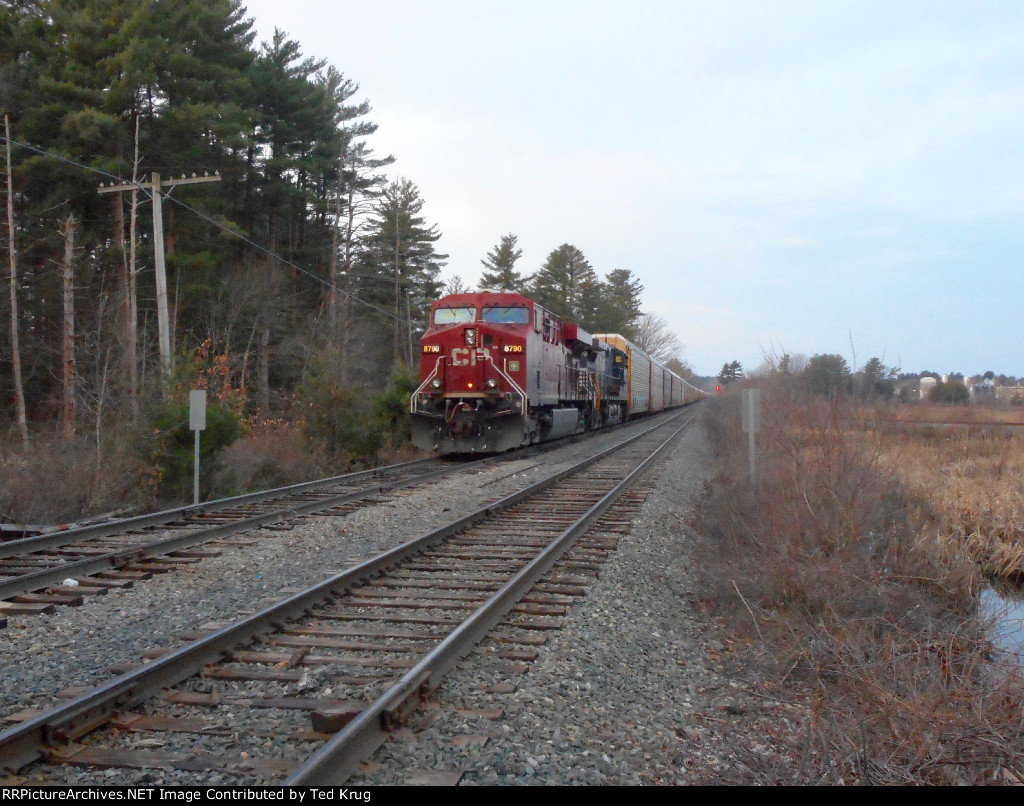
{"x": 492, "y": 383}
{"x": 436, "y": 383}
{"x": 471, "y": 336}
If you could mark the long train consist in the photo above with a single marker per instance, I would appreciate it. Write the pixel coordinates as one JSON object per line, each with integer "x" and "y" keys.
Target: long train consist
{"x": 498, "y": 371}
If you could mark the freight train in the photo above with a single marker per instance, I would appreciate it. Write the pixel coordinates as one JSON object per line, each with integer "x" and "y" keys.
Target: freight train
{"x": 498, "y": 371}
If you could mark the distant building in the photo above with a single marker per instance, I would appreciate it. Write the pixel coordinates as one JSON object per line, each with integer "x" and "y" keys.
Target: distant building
{"x": 1009, "y": 395}
{"x": 983, "y": 392}
{"x": 927, "y": 384}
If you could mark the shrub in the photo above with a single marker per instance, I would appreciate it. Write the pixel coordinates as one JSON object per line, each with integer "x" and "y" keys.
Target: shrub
{"x": 952, "y": 391}
{"x": 61, "y": 481}
{"x": 391, "y": 407}
{"x": 823, "y": 567}
{"x": 273, "y": 456}
{"x": 340, "y": 418}
{"x": 173, "y": 446}
{"x": 828, "y": 375}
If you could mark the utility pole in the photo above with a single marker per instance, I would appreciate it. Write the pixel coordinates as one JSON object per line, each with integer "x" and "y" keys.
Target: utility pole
{"x": 154, "y": 186}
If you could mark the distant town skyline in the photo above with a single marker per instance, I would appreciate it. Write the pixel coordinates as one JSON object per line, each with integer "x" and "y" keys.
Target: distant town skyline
{"x": 812, "y": 177}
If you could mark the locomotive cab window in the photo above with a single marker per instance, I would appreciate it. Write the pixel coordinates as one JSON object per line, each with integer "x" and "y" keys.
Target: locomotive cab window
{"x": 506, "y": 315}
{"x": 454, "y": 316}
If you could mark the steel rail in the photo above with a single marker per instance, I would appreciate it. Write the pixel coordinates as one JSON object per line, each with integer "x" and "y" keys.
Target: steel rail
{"x": 25, "y": 743}
{"x": 118, "y": 558}
{"x": 62, "y": 537}
{"x": 341, "y": 756}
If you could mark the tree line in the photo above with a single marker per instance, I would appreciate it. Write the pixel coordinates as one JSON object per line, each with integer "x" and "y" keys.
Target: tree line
{"x": 829, "y": 375}
{"x": 569, "y": 286}
{"x": 303, "y": 246}
{"x": 298, "y": 273}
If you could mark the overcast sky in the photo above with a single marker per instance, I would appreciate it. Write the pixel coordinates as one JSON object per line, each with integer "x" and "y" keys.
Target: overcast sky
{"x": 818, "y": 177}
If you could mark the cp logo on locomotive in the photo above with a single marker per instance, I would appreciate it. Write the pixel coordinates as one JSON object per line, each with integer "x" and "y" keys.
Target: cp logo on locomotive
{"x": 468, "y": 357}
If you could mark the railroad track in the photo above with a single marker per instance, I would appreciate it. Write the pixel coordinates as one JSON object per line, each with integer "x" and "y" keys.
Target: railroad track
{"x": 34, "y": 571}
{"x": 116, "y": 554}
{"x": 304, "y": 690}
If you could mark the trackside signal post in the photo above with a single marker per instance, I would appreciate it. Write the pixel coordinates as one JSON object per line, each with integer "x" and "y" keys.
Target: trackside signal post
{"x": 752, "y": 424}
{"x": 197, "y": 422}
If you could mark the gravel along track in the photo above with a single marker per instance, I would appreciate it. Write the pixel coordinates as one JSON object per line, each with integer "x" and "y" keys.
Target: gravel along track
{"x": 34, "y": 570}
{"x": 632, "y": 690}
{"x": 43, "y": 658}
{"x": 61, "y": 568}
{"x": 505, "y": 544}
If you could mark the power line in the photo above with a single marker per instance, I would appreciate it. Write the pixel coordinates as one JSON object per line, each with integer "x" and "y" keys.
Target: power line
{"x": 67, "y": 160}
{"x": 216, "y": 224}
{"x": 284, "y": 260}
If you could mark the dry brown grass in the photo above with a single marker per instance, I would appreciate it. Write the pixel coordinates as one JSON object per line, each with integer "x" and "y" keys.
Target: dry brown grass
{"x": 270, "y": 455}
{"x": 826, "y": 572}
{"x": 64, "y": 481}
{"x": 969, "y": 484}
{"x": 933, "y": 413}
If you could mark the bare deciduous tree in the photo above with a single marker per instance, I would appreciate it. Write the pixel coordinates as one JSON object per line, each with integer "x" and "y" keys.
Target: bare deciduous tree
{"x": 456, "y": 286}
{"x": 68, "y": 342}
{"x": 19, "y": 389}
{"x": 654, "y": 337}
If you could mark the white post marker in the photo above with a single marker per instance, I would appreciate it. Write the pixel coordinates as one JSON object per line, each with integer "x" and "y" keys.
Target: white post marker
{"x": 197, "y": 422}
{"x": 752, "y": 423}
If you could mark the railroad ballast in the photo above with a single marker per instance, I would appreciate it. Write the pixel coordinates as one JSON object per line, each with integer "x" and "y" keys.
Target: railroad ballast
{"x": 498, "y": 371}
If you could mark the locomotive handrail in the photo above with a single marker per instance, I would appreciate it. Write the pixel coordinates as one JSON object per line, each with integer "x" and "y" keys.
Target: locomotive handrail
{"x": 511, "y": 382}
{"x": 416, "y": 395}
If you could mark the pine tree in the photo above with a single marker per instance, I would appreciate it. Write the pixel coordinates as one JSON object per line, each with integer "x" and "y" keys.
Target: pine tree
{"x": 731, "y": 371}
{"x": 566, "y": 283}
{"x": 401, "y": 266}
{"x": 345, "y": 199}
{"x": 289, "y": 138}
{"x": 181, "y": 66}
{"x": 617, "y": 305}
{"x": 499, "y": 267}
{"x": 362, "y": 187}
{"x": 19, "y": 73}
{"x": 289, "y": 122}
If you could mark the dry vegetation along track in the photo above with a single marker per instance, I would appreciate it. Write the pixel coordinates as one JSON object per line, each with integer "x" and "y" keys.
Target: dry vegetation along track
{"x": 226, "y": 703}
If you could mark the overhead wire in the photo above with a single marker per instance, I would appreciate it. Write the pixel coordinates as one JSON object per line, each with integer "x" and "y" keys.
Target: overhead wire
{"x": 283, "y": 260}
{"x": 350, "y": 295}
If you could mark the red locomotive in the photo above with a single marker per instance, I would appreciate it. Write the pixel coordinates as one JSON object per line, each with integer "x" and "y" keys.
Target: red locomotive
{"x": 498, "y": 371}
